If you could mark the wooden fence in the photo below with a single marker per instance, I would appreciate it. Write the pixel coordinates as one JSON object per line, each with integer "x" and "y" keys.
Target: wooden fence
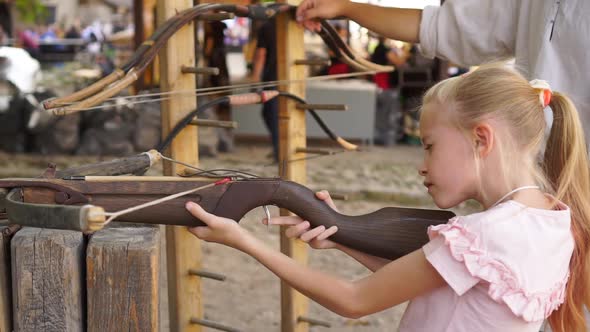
{"x": 54, "y": 280}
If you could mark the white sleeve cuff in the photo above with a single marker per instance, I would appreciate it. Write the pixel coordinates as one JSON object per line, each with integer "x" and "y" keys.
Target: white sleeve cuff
{"x": 428, "y": 31}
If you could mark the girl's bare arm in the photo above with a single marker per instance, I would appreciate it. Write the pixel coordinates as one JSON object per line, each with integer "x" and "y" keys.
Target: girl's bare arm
{"x": 371, "y": 262}
{"x": 395, "y": 283}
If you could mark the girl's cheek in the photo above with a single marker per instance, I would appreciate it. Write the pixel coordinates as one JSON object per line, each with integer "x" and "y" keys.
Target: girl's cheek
{"x": 425, "y": 164}
{"x": 432, "y": 157}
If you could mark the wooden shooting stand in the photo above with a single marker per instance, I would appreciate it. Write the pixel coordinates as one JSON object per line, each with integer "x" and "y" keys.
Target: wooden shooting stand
{"x": 183, "y": 250}
{"x": 292, "y": 136}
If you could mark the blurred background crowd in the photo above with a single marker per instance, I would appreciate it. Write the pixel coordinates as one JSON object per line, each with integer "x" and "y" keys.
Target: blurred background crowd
{"x": 60, "y": 46}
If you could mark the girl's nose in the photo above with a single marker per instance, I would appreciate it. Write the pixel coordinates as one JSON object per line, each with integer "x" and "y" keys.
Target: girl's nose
{"x": 422, "y": 171}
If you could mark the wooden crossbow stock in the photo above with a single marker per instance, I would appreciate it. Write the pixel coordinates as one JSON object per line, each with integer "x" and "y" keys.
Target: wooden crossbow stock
{"x": 78, "y": 199}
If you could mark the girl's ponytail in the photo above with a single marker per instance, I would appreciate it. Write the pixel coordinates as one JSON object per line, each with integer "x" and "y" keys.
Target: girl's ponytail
{"x": 566, "y": 168}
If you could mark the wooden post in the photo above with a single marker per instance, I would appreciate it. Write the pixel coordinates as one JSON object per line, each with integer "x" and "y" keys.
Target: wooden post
{"x": 122, "y": 279}
{"x": 47, "y": 280}
{"x": 183, "y": 250}
{"x": 292, "y": 135}
{"x": 5, "y": 283}
{"x": 143, "y": 19}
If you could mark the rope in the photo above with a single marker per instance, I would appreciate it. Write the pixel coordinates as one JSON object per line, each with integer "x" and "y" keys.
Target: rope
{"x": 113, "y": 215}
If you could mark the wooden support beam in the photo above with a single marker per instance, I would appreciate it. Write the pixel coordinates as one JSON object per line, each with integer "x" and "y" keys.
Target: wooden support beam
{"x": 183, "y": 250}
{"x": 6, "y": 234}
{"x": 215, "y": 123}
{"x": 47, "y": 280}
{"x": 144, "y": 22}
{"x": 323, "y": 152}
{"x": 199, "y": 70}
{"x": 292, "y": 135}
{"x": 122, "y": 279}
{"x": 207, "y": 274}
{"x": 322, "y": 107}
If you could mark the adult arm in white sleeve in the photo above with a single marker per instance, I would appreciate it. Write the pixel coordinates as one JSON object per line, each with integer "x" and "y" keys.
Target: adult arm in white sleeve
{"x": 470, "y": 32}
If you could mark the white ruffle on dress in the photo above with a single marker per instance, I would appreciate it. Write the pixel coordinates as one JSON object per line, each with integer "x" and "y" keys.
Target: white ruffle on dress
{"x": 506, "y": 270}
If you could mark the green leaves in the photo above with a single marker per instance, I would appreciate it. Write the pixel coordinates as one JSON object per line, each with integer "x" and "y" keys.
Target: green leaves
{"x": 31, "y": 11}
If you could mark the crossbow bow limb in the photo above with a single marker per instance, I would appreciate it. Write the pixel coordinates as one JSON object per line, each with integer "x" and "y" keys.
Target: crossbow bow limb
{"x": 249, "y": 99}
{"x": 128, "y": 73}
{"x": 144, "y": 55}
{"x": 83, "y": 198}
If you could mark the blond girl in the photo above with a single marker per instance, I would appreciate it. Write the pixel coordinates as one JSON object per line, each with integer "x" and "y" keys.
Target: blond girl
{"x": 521, "y": 260}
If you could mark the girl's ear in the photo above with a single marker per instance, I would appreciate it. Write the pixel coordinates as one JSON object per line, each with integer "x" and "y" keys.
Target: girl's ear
{"x": 483, "y": 135}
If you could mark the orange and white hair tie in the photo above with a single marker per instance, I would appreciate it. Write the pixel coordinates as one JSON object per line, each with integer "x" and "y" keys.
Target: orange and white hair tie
{"x": 544, "y": 91}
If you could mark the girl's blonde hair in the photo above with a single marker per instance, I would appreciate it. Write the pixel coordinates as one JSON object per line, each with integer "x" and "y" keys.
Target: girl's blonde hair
{"x": 496, "y": 92}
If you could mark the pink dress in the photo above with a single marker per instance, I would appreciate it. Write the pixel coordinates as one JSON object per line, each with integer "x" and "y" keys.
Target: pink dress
{"x": 506, "y": 270}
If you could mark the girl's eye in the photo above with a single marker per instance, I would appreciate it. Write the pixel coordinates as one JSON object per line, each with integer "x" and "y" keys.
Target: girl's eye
{"x": 427, "y": 147}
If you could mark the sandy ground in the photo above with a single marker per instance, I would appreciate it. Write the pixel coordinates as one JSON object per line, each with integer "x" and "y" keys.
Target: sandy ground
{"x": 249, "y": 298}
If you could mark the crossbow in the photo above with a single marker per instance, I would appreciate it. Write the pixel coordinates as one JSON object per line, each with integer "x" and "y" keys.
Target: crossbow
{"x": 87, "y": 198}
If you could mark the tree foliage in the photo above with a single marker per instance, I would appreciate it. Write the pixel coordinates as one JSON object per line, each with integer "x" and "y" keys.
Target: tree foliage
{"x": 30, "y": 11}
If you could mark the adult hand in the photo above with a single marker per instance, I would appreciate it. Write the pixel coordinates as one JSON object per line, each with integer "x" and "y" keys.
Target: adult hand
{"x": 317, "y": 237}
{"x": 218, "y": 229}
{"x": 309, "y": 11}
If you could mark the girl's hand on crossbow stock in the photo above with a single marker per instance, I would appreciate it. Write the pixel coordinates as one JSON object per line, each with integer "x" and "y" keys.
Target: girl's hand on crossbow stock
{"x": 317, "y": 238}
{"x": 310, "y": 10}
{"x": 220, "y": 230}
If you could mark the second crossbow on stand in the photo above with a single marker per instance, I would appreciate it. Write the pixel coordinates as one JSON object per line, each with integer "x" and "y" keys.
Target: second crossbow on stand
{"x": 123, "y": 77}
